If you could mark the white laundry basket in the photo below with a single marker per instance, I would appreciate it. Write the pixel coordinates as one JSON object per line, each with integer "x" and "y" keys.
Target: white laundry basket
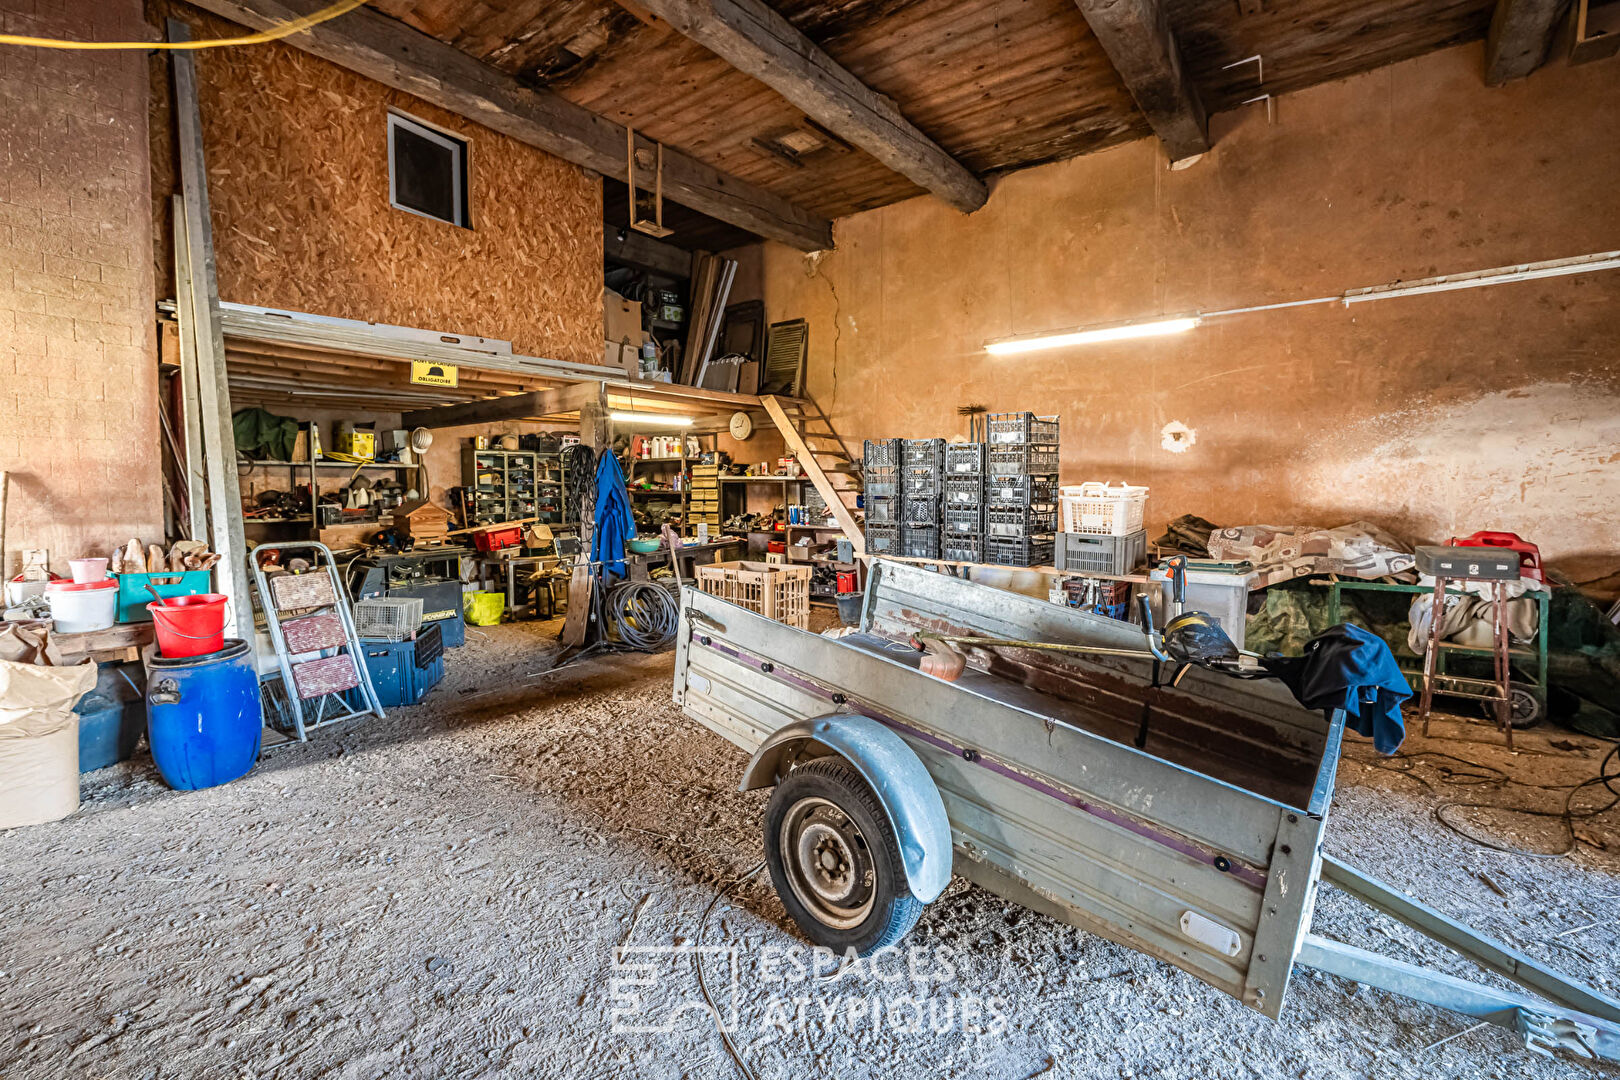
{"x": 1103, "y": 509}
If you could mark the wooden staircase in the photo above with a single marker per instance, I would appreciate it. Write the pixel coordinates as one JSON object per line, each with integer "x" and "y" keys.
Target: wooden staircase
{"x": 826, "y": 458}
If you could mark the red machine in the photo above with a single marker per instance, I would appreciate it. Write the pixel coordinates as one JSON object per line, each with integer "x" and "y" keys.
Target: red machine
{"x": 1529, "y": 554}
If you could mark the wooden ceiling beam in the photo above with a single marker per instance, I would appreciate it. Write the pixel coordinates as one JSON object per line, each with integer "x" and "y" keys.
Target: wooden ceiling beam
{"x": 1137, "y": 38}
{"x": 511, "y": 407}
{"x": 1521, "y": 31}
{"x": 758, "y": 42}
{"x": 386, "y": 50}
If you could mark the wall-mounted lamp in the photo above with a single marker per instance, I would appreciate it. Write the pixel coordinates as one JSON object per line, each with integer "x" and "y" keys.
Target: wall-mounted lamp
{"x": 1161, "y": 327}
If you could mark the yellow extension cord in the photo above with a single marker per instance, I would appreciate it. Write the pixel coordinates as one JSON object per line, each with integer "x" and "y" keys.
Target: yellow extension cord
{"x": 286, "y": 29}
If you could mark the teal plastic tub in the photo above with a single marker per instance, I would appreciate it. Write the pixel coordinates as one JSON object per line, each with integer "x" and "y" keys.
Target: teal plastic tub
{"x": 133, "y": 597}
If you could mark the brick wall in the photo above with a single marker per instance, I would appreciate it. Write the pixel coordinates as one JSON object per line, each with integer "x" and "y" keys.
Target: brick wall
{"x": 78, "y": 377}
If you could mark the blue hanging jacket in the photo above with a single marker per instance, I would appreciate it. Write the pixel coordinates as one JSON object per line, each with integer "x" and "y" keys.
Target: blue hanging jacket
{"x": 615, "y": 524}
{"x": 1346, "y": 667}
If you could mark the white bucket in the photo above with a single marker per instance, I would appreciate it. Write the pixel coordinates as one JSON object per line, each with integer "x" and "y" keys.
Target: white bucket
{"x": 86, "y": 571}
{"x": 79, "y": 607}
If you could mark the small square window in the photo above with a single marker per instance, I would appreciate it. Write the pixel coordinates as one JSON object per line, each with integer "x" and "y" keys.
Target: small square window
{"x": 427, "y": 171}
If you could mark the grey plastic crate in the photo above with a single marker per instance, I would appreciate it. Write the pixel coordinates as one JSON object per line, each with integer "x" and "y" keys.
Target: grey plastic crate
{"x": 883, "y": 510}
{"x": 1022, "y": 427}
{"x": 881, "y": 452}
{"x": 1023, "y": 459}
{"x": 962, "y": 548}
{"x": 963, "y": 520}
{"x": 922, "y": 453}
{"x": 1088, "y": 554}
{"x": 881, "y": 480}
{"x": 964, "y": 459}
{"x": 921, "y": 512}
{"x": 881, "y": 539}
{"x": 919, "y": 542}
{"x": 1020, "y": 551}
{"x": 964, "y": 490}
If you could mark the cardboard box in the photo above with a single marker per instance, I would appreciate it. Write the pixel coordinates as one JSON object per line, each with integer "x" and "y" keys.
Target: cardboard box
{"x": 621, "y": 319}
{"x": 624, "y": 356}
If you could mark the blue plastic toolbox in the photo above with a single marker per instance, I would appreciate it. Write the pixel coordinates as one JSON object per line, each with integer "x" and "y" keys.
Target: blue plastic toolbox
{"x": 402, "y": 672}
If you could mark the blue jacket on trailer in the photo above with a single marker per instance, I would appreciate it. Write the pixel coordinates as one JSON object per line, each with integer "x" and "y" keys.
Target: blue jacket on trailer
{"x": 615, "y": 524}
{"x": 1346, "y": 667}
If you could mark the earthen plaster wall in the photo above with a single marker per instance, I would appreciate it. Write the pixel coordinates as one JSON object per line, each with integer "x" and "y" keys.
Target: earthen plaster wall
{"x": 1433, "y": 415}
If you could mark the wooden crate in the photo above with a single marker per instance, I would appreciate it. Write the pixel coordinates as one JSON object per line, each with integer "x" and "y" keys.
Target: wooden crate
{"x": 781, "y": 593}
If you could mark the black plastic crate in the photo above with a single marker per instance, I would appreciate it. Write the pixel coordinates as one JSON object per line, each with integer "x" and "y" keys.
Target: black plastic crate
{"x": 964, "y": 490}
{"x": 882, "y": 539}
{"x": 883, "y": 510}
{"x": 962, "y": 548}
{"x": 1021, "y": 427}
{"x": 1021, "y": 491}
{"x": 922, "y": 511}
{"x": 964, "y": 520}
{"x": 881, "y": 452}
{"x": 1020, "y": 520}
{"x": 919, "y": 543}
{"x": 881, "y": 480}
{"x": 926, "y": 486}
{"x": 922, "y": 453}
{"x": 1023, "y": 459}
{"x": 1020, "y": 551}
{"x": 964, "y": 459}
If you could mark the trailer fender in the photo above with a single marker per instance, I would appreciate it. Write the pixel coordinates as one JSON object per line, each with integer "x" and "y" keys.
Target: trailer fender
{"x": 890, "y": 768}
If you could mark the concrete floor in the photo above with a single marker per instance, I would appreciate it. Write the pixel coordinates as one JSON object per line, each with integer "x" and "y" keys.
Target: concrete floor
{"x": 442, "y": 893}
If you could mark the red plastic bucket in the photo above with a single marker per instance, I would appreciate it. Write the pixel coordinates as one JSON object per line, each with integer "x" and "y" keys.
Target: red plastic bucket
{"x": 189, "y": 625}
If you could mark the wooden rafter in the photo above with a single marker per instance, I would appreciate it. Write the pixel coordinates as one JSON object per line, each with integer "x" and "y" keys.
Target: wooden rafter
{"x": 1136, "y": 36}
{"x": 1520, "y": 32}
{"x": 384, "y": 49}
{"x": 757, "y": 41}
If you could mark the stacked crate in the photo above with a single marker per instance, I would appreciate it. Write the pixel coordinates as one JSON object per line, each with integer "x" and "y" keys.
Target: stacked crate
{"x": 704, "y": 503}
{"x": 962, "y": 520}
{"x": 1102, "y": 528}
{"x": 922, "y": 487}
{"x": 880, "y": 486}
{"x": 1021, "y": 507}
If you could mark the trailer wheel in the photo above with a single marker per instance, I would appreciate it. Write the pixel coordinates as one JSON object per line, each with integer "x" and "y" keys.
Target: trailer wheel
{"x": 835, "y": 860}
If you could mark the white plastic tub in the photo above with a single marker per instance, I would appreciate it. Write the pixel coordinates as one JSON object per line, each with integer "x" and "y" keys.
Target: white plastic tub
{"x": 79, "y": 607}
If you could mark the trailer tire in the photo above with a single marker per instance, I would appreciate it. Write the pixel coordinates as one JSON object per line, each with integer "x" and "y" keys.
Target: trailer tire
{"x": 835, "y": 860}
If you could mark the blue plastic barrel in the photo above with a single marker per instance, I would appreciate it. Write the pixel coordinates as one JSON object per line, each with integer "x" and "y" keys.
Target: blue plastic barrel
{"x": 204, "y": 717}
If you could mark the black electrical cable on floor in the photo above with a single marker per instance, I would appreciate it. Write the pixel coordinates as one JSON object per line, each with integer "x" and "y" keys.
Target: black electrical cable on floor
{"x": 1482, "y": 775}
{"x": 644, "y": 614}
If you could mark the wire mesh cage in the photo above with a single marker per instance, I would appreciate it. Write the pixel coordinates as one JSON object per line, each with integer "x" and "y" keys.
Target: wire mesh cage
{"x": 388, "y": 618}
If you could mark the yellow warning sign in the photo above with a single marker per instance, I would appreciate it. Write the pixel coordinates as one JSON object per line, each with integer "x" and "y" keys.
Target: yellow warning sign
{"x": 428, "y": 373}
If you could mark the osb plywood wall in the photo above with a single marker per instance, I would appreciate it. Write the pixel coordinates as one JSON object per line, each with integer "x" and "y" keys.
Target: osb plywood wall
{"x": 298, "y": 177}
{"x": 1433, "y": 416}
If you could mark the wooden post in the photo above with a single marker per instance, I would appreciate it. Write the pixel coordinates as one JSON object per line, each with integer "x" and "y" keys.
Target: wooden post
{"x": 213, "y": 390}
{"x": 190, "y": 414}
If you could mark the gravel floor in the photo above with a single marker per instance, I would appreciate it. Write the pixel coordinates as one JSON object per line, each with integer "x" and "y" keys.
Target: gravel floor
{"x": 441, "y": 894}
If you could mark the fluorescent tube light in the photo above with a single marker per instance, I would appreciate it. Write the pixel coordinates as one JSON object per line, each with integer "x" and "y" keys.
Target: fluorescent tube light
{"x": 1090, "y": 337}
{"x": 651, "y": 418}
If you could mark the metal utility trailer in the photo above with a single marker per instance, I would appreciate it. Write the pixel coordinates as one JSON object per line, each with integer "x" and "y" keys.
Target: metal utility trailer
{"x": 1184, "y": 822}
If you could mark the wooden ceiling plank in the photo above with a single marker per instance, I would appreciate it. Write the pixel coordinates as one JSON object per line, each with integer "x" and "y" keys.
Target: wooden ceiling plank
{"x": 511, "y": 407}
{"x": 758, "y": 42}
{"x": 1137, "y": 38}
{"x": 396, "y": 55}
{"x": 1520, "y": 33}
